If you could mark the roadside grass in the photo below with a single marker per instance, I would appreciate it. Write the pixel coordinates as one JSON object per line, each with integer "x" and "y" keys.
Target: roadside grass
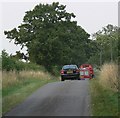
{"x": 17, "y": 86}
{"x": 108, "y": 76}
{"x": 104, "y": 92}
{"x": 104, "y": 102}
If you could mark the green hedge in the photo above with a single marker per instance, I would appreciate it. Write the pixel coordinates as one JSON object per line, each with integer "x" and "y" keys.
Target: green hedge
{"x": 9, "y": 63}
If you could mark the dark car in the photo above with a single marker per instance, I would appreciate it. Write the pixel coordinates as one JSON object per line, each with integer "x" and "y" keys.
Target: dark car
{"x": 70, "y": 72}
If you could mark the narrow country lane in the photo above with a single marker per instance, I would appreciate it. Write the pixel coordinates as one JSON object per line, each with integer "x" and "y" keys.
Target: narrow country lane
{"x": 68, "y": 98}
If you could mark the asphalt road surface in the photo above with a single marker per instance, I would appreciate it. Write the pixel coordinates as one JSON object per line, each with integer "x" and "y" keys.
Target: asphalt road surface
{"x": 68, "y": 98}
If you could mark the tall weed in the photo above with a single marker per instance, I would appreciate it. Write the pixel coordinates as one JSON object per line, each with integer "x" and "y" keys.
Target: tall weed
{"x": 108, "y": 76}
{"x": 12, "y": 78}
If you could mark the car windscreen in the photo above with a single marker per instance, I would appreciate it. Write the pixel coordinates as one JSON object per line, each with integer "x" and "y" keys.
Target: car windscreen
{"x": 66, "y": 67}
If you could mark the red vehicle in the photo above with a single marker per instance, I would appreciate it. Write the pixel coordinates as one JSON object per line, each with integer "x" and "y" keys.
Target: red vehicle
{"x": 86, "y": 71}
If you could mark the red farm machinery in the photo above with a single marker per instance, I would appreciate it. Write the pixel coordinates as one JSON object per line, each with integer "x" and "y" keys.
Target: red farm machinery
{"x": 86, "y": 71}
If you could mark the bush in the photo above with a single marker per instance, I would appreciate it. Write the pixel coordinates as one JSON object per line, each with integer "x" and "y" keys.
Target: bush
{"x": 55, "y": 70}
{"x": 10, "y": 64}
{"x": 7, "y": 63}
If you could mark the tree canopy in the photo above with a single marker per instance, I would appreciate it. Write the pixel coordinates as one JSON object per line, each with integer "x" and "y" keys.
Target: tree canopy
{"x": 106, "y": 41}
{"x": 51, "y": 36}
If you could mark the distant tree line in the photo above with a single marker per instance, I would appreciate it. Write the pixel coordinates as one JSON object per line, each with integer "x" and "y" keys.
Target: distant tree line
{"x": 107, "y": 42}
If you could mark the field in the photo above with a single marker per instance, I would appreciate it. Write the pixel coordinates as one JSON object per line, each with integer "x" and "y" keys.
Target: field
{"x": 104, "y": 91}
{"x": 16, "y": 86}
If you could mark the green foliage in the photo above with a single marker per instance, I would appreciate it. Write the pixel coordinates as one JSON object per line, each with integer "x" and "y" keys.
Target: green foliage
{"x": 51, "y": 37}
{"x": 104, "y": 102}
{"x": 106, "y": 41}
{"x": 9, "y": 63}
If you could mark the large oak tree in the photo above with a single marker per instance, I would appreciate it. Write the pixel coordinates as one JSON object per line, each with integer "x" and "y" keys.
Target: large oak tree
{"x": 51, "y": 37}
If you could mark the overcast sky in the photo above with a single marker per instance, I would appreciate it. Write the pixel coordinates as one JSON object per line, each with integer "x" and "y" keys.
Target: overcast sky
{"x": 91, "y": 16}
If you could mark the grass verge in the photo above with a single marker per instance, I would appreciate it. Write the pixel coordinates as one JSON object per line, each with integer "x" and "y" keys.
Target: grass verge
{"x": 104, "y": 102}
{"x": 18, "y": 86}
